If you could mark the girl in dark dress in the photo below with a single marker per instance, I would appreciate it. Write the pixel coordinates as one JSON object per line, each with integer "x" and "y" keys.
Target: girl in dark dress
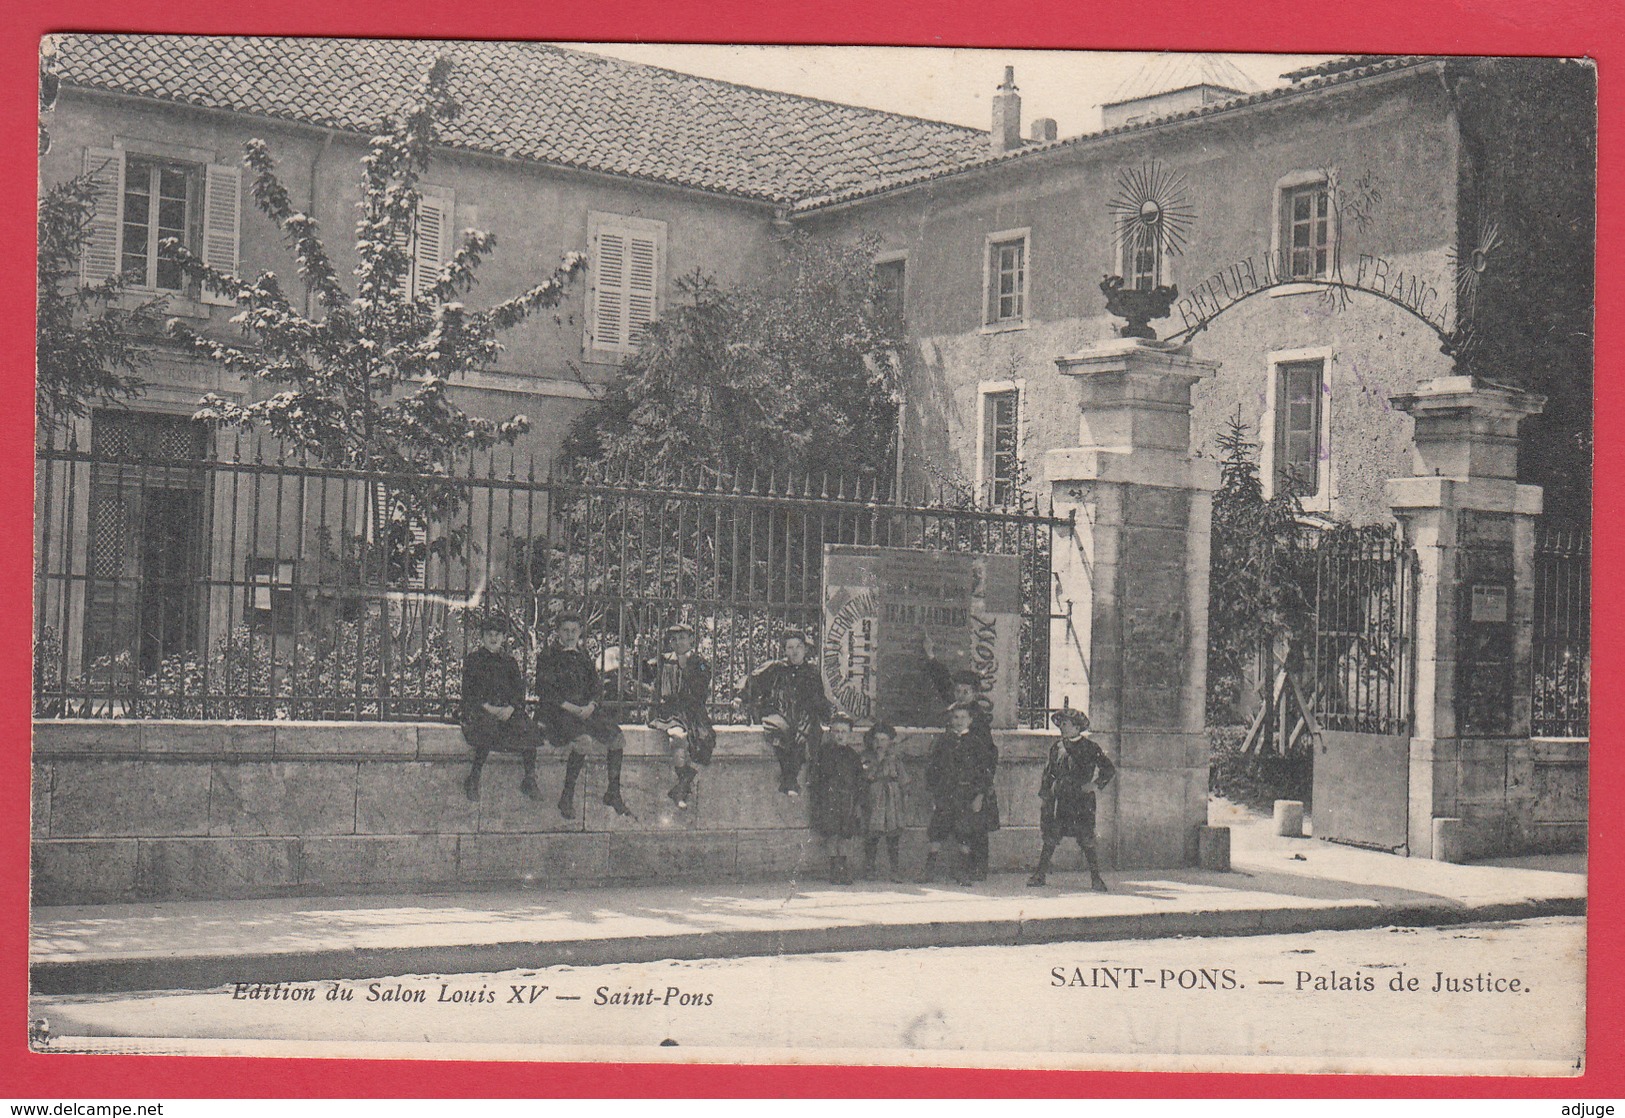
{"x": 682, "y": 690}
{"x": 1077, "y": 766}
{"x": 493, "y": 716}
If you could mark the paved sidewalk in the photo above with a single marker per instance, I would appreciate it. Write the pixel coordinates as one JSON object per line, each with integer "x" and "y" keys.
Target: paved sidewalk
{"x": 1276, "y": 885}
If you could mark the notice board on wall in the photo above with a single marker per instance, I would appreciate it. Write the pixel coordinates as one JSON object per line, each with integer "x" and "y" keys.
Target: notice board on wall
{"x": 880, "y": 606}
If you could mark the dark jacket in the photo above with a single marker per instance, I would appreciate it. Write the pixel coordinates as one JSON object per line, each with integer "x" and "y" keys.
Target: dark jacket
{"x": 494, "y": 678}
{"x": 960, "y": 768}
{"x": 570, "y": 676}
{"x": 981, "y": 722}
{"x": 839, "y": 791}
{"x": 682, "y": 688}
{"x": 1067, "y": 789}
{"x": 793, "y": 691}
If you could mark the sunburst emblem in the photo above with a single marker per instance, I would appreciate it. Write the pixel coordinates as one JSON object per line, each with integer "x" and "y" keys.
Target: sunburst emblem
{"x": 1150, "y": 210}
{"x": 1470, "y": 264}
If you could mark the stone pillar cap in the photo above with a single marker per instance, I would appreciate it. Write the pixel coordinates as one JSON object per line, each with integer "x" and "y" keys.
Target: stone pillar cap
{"x": 1147, "y": 354}
{"x": 1454, "y": 393}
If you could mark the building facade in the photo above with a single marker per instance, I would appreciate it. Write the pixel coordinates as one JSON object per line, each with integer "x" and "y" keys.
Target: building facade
{"x": 1331, "y": 237}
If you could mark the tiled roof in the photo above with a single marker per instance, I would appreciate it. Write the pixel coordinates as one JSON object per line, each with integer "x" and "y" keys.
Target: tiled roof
{"x": 1301, "y": 87}
{"x": 1165, "y": 73}
{"x": 540, "y": 102}
{"x": 1336, "y": 66}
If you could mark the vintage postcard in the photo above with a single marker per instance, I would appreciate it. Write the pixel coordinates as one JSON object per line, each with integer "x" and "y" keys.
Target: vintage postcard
{"x": 812, "y": 555}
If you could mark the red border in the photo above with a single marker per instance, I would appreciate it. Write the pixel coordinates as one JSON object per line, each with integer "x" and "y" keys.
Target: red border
{"x": 1566, "y": 27}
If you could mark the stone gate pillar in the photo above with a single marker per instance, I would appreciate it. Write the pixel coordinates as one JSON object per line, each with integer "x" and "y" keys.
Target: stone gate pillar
{"x": 1129, "y": 635}
{"x": 1473, "y": 528}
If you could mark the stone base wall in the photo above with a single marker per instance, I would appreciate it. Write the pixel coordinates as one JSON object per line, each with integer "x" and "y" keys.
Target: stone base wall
{"x": 1511, "y": 795}
{"x": 1562, "y": 795}
{"x": 127, "y": 811}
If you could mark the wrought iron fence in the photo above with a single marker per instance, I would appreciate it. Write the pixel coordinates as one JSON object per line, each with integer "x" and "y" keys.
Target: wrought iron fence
{"x": 1361, "y": 661}
{"x": 177, "y": 581}
{"x": 1562, "y": 638}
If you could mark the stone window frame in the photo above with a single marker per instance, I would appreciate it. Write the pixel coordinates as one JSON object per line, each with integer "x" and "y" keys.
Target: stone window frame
{"x": 897, "y": 256}
{"x": 1285, "y": 186}
{"x": 985, "y": 391}
{"x": 991, "y": 245}
{"x": 1321, "y": 499}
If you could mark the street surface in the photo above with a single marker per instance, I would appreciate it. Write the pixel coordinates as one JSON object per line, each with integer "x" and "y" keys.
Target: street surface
{"x": 1507, "y": 996}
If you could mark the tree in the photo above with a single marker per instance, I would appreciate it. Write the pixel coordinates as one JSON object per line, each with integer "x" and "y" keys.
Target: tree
{"x": 364, "y": 385}
{"x": 86, "y": 351}
{"x": 796, "y": 375}
{"x": 1256, "y": 593}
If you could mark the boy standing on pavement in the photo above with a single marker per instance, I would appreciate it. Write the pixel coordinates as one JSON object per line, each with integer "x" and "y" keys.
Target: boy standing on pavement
{"x": 965, "y": 687}
{"x": 959, "y": 775}
{"x": 1077, "y": 766}
{"x": 839, "y": 796}
{"x": 493, "y": 716}
{"x": 682, "y": 690}
{"x": 568, "y": 690}
{"x": 788, "y": 696}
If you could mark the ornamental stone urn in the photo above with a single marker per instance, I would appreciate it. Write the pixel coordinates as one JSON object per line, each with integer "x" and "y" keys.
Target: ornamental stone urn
{"x": 1137, "y": 305}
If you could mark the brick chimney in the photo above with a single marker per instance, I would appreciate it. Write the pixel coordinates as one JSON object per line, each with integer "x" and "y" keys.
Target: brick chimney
{"x": 1044, "y": 130}
{"x": 1006, "y": 134}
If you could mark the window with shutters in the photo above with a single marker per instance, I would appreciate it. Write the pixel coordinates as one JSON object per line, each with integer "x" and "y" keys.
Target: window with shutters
{"x": 404, "y": 539}
{"x": 626, "y": 276}
{"x": 1297, "y": 450}
{"x": 143, "y": 200}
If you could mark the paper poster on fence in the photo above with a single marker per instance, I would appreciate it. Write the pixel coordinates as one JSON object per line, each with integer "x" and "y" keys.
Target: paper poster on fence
{"x": 888, "y": 611}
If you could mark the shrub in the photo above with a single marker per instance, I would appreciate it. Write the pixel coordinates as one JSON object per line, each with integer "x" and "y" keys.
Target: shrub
{"x": 1255, "y": 780}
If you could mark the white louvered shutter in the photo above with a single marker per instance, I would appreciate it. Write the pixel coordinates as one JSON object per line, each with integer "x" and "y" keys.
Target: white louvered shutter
{"x": 642, "y": 276}
{"x": 99, "y": 259}
{"x": 222, "y": 210}
{"x": 609, "y": 318}
{"x": 433, "y": 247}
{"x": 626, "y": 277}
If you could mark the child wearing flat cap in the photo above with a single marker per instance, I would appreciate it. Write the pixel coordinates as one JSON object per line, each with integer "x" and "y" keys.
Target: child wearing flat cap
{"x": 1076, "y": 768}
